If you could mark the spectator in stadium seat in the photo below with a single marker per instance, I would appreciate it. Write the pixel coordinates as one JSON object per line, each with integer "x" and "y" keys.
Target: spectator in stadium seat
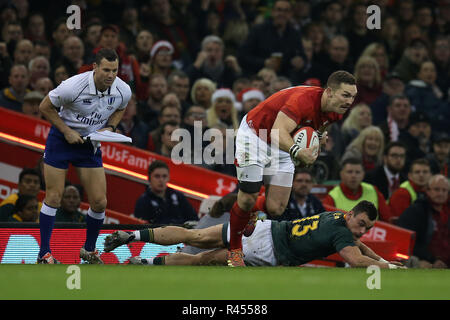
{"x": 387, "y": 177}
{"x": 39, "y": 67}
{"x": 429, "y": 218}
{"x": 161, "y": 23}
{"x": 222, "y": 110}
{"x": 441, "y": 58}
{"x": 359, "y": 118}
{"x": 392, "y": 86}
{"x": 250, "y": 98}
{"x": 169, "y": 113}
{"x": 60, "y": 74}
{"x": 72, "y": 54}
{"x": 357, "y": 33}
{"x": 427, "y": 97}
{"x": 378, "y": 51}
{"x": 166, "y": 143}
{"x": 279, "y": 83}
{"x": 332, "y": 18}
{"x": 129, "y": 25}
{"x": 413, "y": 55}
{"x": 60, "y": 32}
{"x": 337, "y": 57}
{"x": 302, "y": 202}
{"x": 397, "y": 120}
{"x": 131, "y": 126}
{"x": 29, "y": 184}
{"x": 211, "y": 63}
{"x": 202, "y": 91}
{"x": 352, "y": 189}
{"x": 310, "y": 69}
{"x": 160, "y": 204}
{"x": 42, "y": 48}
{"x": 368, "y": 146}
{"x": 440, "y": 157}
{"x": 70, "y": 206}
{"x": 410, "y": 190}
{"x": 161, "y": 58}
{"x": 23, "y": 52}
{"x": 31, "y": 103}
{"x": 195, "y": 116}
{"x": 274, "y": 44}
{"x": 142, "y": 46}
{"x": 35, "y": 30}
{"x": 148, "y": 110}
{"x": 416, "y": 137}
{"x": 179, "y": 83}
{"x": 368, "y": 80}
{"x": 44, "y": 86}
{"x": 25, "y": 209}
{"x": 91, "y": 35}
{"x": 12, "y": 96}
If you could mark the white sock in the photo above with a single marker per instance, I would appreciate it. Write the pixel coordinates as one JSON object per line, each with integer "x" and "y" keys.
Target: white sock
{"x": 137, "y": 235}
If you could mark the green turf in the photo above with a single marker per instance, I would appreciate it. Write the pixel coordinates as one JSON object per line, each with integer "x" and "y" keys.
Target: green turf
{"x": 218, "y": 283}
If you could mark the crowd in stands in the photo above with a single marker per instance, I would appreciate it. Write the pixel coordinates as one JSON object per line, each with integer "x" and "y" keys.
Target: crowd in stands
{"x": 211, "y": 61}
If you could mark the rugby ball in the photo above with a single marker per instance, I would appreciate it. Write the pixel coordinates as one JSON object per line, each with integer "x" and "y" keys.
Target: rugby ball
{"x": 305, "y": 137}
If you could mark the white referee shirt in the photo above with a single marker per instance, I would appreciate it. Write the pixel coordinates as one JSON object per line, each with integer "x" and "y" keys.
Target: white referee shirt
{"x": 83, "y": 107}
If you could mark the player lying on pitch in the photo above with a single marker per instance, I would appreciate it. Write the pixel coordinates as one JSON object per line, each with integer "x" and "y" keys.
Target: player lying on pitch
{"x": 287, "y": 243}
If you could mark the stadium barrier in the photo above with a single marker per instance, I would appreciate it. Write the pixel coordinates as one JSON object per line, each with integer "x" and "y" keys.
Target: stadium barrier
{"x": 22, "y": 141}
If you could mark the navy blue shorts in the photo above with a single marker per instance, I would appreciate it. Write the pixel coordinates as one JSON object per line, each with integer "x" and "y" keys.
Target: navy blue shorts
{"x": 59, "y": 153}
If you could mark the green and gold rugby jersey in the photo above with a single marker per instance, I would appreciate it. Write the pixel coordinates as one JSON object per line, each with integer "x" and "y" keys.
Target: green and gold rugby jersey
{"x": 300, "y": 241}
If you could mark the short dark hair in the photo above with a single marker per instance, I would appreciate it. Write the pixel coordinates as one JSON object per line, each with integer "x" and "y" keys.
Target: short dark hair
{"x": 393, "y": 144}
{"x": 420, "y": 161}
{"x": 351, "y": 161}
{"x": 108, "y": 54}
{"x": 28, "y": 171}
{"x": 168, "y": 123}
{"x": 339, "y": 77}
{"x": 157, "y": 164}
{"x": 397, "y": 96}
{"x": 299, "y": 170}
{"x": 367, "y": 207}
{"x": 22, "y": 201}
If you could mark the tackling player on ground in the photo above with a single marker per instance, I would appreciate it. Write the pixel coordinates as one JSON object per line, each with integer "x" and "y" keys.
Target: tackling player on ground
{"x": 265, "y": 149}
{"x": 90, "y": 101}
{"x": 287, "y": 243}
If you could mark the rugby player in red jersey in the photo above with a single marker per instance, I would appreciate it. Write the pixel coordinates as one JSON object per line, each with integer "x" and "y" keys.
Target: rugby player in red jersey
{"x": 265, "y": 149}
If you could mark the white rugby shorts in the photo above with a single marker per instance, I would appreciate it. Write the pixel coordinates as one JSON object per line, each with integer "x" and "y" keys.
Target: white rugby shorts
{"x": 257, "y": 161}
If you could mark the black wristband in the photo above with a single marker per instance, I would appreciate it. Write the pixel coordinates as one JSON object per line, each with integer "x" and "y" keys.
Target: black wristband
{"x": 112, "y": 127}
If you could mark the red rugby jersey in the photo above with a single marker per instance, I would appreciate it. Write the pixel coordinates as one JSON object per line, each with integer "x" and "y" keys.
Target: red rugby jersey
{"x": 301, "y": 104}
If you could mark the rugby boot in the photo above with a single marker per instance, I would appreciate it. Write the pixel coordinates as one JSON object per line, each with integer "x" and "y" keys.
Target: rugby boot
{"x": 235, "y": 258}
{"x": 47, "y": 259}
{"x": 91, "y": 257}
{"x": 116, "y": 239}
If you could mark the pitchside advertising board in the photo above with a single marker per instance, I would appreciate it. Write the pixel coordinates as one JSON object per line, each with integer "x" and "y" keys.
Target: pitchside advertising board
{"x": 22, "y": 141}
{"x": 21, "y": 245}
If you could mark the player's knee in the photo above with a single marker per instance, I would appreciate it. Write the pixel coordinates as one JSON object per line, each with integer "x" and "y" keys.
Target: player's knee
{"x": 98, "y": 204}
{"x": 53, "y": 198}
{"x": 275, "y": 209}
{"x": 247, "y": 201}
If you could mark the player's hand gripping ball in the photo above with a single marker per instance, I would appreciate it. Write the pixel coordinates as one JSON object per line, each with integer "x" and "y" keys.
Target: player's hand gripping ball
{"x": 305, "y": 137}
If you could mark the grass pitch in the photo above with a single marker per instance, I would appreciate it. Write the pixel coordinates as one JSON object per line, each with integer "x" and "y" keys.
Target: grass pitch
{"x": 133, "y": 282}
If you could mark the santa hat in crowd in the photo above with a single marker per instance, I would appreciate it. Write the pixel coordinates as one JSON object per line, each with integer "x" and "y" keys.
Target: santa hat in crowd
{"x": 223, "y": 93}
{"x": 159, "y": 45}
{"x": 252, "y": 93}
